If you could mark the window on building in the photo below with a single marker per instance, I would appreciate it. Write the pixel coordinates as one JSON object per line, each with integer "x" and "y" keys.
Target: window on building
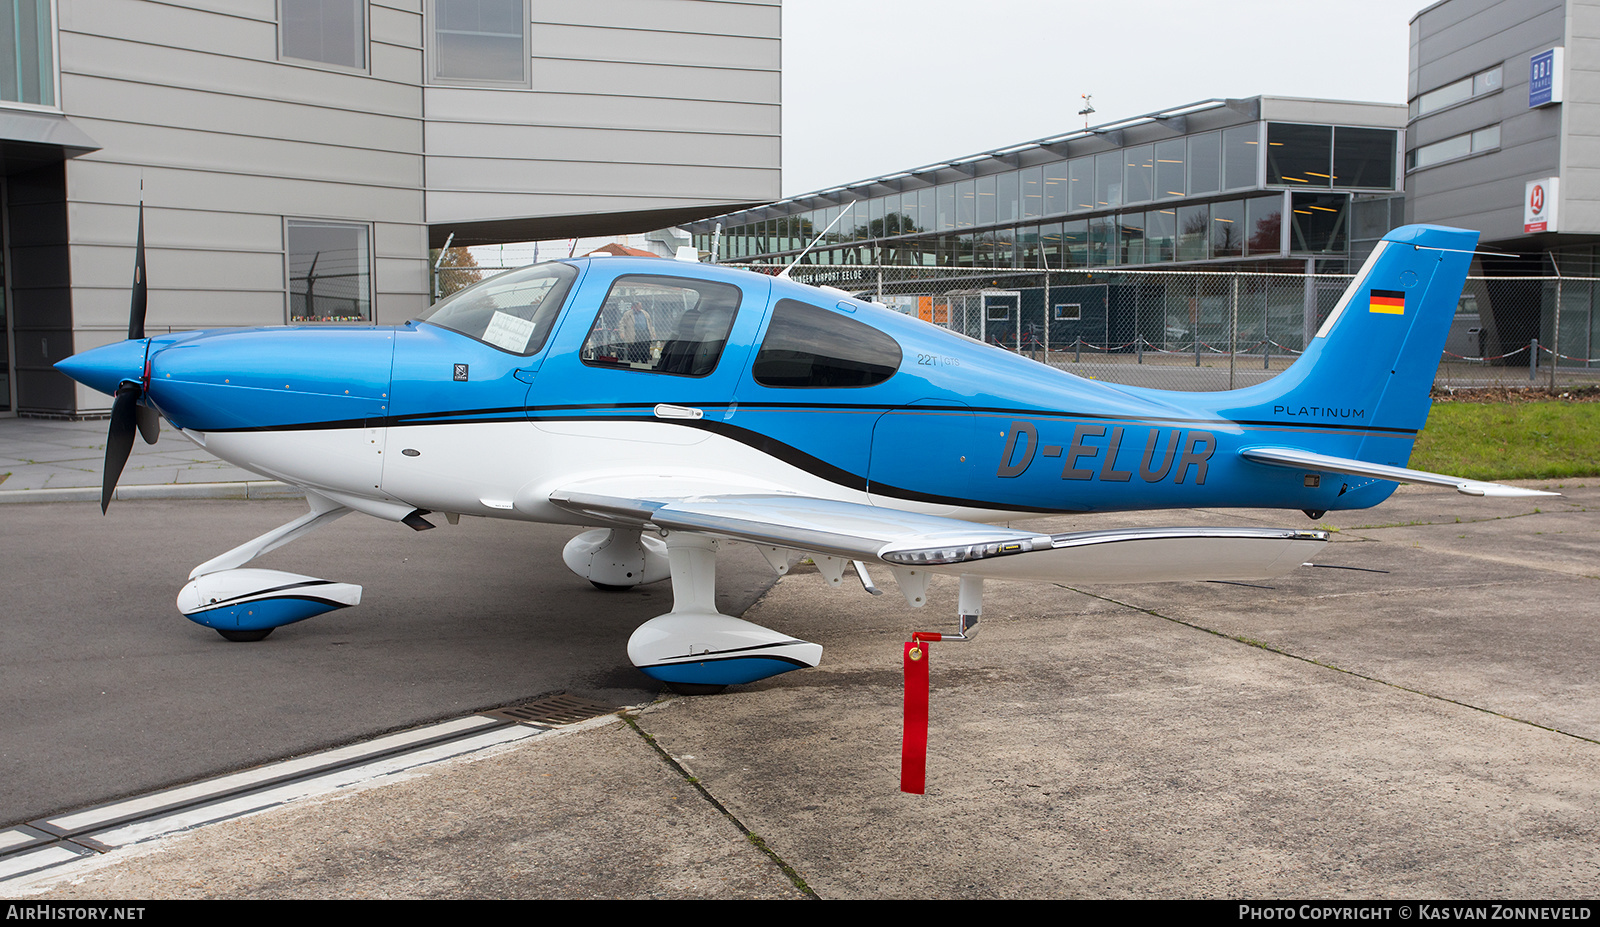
{"x": 479, "y": 41}
{"x": 1171, "y": 168}
{"x": 1051, "y": 251}
{"x": 1031, "y": 191}
{"x": 1055, "y": 188}
{"x": 1131, "y": 231}
{"x": 330, "y": 271}
{"x": 1075, "y": 243}
{"x": 1138, "y": 174}
{"x": 1161, "y": 234}
{"x": 1227, "y": 229}
{"x": 329, "y": 31}
{"x": 1108, "y": 180}
{"x": 1241, "y": 150}
{"x": 27, "y": 53}
{"x": 662, "y": 325}
{"x": 1318, "y": 222}
{"x": 1006, "y": 204}
{"x": 1364, "y": 157}
{"x": 985, "y": 199}
{"x": 1102, "y": 241}
{"x": 1450, "y": 94}
{"x": 1299, "y": 155}
{"x": 1460, "y": 146}
{"x": 1264, "y": 221}
{"x": 1080, "y": 184}
{"x": 1194, "y": 233}
{"x": 1205, "y": 163}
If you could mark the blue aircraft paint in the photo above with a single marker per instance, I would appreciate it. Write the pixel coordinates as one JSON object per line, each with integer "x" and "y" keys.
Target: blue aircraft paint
{"x": 959, "y": 423}
{"x": 726, "y": 672}
{"x": 103, "y": 369}
{"x": 251, "y": 378}
{"x": 262, "y": 614}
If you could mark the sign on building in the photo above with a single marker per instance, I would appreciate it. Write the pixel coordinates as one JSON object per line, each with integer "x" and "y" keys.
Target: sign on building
{"x": 1544, "y": 78}
{"x": 1539, "y": 206}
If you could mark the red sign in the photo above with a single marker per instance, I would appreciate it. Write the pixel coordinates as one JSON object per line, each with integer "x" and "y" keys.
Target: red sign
{"x": 1539, "y": 207}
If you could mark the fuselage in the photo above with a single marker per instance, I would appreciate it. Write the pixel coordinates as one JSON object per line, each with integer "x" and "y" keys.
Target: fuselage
{"x": 425, "y": 416}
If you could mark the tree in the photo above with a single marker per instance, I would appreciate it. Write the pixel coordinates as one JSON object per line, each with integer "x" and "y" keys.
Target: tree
{"x": 457, "y": 271}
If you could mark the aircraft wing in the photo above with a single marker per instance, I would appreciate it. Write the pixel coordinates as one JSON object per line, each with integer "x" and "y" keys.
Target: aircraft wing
{"x": 1305, "y": 460}
{"x": 908, "y": 541}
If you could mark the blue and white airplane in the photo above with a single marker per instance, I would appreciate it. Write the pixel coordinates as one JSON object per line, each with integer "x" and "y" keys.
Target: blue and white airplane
{"x": 673, "y": 407}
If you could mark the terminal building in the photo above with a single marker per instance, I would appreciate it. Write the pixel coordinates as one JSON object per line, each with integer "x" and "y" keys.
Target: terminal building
{"x": 298, "y": 158}
{"x": 1259, "y": 183}
{"x": 1501, "y": 133}
{"x": 1504, "y": 137}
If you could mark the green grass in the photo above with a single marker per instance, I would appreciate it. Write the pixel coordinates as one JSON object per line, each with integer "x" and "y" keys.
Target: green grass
{"x": 1511, "y": 440}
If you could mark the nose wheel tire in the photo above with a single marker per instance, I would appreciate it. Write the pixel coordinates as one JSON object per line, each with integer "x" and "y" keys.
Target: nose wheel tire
{"x": 694, "y": 688}
{"x": 244, "y": 637}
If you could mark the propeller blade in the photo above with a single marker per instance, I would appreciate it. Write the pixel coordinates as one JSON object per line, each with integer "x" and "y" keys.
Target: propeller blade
{"x": 119, "y": 440}
{"x": 140, "y": 297}
{"x": 149, "y": 423}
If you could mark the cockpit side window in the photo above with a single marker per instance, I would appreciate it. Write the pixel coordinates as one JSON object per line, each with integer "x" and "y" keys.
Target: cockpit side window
{"x": 809, "y": 347}
{"x": 662, "y": 325}
{"x": 514, "y": 311}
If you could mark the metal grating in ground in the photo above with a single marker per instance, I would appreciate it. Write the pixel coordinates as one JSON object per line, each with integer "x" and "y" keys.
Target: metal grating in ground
{"x": 557, "y": 708}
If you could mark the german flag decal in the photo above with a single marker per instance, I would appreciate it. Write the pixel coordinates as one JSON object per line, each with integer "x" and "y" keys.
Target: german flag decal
{"x": 1392, "y": 302}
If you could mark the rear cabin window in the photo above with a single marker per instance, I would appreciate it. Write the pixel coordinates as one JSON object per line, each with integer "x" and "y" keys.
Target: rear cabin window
{"x": 662, "y": 325}
{"x": 809, "y": 347}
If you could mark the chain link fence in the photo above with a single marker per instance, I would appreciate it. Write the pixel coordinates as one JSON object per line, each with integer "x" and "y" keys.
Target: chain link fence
{"x": 1215, "y": 331}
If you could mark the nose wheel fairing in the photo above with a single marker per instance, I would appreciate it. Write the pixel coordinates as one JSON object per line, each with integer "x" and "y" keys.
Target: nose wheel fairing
{"x": 694, "y": 644}
{"x": 711, "y": 649}
{"x": 259, "y": 600}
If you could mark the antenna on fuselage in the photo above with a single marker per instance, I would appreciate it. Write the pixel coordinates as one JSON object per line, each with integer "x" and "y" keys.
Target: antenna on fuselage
{"x": 784, "y": 274}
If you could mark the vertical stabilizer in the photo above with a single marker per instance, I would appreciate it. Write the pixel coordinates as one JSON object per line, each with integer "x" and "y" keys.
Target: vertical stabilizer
{"x": 1372, "y": 363}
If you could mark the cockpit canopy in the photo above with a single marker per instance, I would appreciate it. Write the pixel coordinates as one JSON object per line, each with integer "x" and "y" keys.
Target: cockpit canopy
{"x": 514, "y": 311}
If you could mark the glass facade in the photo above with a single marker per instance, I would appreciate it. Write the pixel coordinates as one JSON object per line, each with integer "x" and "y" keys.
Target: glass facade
{"x": 1214, "y": 195}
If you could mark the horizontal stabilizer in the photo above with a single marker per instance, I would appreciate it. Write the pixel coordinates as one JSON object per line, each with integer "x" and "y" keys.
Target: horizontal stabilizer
{"x": 1305, "y": 460}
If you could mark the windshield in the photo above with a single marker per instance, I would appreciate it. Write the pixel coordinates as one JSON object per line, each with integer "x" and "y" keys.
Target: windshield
{"x": 514, "y": 311}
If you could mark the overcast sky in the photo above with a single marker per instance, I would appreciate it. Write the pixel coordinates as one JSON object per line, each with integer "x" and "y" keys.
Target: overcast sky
{"x": 876, "y": 86}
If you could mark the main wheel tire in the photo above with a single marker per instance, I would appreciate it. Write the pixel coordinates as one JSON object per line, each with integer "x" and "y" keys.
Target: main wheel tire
{"x": 245, "y": 637}
{"x": 695, "y": 688}
{"x": 607, "y": 587}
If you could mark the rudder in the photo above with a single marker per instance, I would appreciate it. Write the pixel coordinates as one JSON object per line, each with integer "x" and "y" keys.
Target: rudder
{"x": 1373, "y": 361}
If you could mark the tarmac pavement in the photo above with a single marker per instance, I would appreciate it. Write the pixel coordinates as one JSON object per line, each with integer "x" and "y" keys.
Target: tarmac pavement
{"x": 1429, "y": 731}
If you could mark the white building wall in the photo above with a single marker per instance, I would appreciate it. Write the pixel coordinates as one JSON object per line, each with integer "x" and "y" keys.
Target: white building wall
{"x": 632, "y": 105}
{"x": 228, "y": 140}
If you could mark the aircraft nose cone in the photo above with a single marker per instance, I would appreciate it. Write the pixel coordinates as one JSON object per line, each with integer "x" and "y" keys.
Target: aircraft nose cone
{"x": 104, "y": 367}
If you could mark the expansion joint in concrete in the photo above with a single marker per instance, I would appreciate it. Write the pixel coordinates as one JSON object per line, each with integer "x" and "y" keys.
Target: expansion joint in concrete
{"x": 1262, "y": 645}
{"x": 788, "y": 871}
